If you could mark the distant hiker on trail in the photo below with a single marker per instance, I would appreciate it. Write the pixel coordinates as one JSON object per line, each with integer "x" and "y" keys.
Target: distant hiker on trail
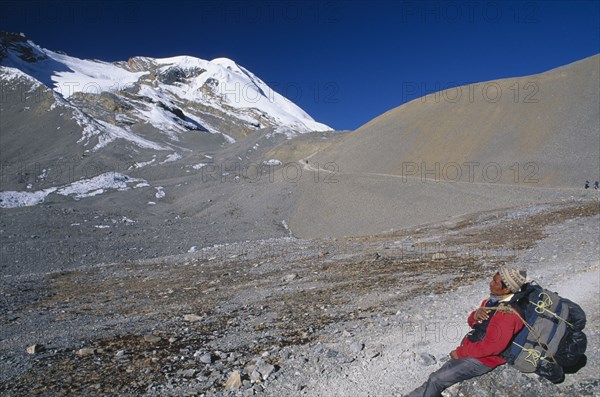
{"x": 494, "y": 325}
{"x": 587, "y": 185}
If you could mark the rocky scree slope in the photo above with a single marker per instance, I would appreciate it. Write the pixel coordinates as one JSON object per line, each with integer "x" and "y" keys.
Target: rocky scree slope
{"x": 293, "y": 317}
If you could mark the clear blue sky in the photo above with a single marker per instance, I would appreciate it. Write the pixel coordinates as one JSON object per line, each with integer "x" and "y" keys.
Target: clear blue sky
{"x": 343, "y": 62}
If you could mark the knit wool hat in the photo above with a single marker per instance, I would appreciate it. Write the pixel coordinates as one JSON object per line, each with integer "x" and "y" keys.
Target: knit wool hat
{"x": 513, "y": 278}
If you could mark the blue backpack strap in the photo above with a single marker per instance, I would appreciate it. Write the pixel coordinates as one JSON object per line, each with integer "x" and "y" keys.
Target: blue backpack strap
{"x": 521, "y": 302}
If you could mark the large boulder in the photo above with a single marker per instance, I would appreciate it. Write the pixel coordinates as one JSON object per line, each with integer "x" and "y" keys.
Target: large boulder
{"x": 508, "y": 382}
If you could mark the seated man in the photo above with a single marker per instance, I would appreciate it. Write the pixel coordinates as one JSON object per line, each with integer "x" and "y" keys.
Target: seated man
{"x": 492, "y": 332}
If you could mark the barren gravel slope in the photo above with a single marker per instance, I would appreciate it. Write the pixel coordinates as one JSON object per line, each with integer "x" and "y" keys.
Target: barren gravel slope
{"x": 550, "y": 119}
{"x": 417, "y": 339}
{"x": 437, "y": 157}
{"x": 342, "y": 203}
{"x": 295, "y": 317}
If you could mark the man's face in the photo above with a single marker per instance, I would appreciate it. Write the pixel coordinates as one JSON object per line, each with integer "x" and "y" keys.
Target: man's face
{"x": 496, "y": 287}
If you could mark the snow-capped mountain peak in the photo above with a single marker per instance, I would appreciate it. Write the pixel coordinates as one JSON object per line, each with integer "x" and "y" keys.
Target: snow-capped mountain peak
{"x": 173, "y": 95}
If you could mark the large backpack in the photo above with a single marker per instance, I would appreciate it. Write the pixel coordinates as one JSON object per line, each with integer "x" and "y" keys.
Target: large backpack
{"x": 552, "y": 340}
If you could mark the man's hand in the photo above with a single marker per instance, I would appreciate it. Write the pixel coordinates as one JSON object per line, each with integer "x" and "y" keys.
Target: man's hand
{"x": 481, "y": 314}
{"x": 453, "y": 355}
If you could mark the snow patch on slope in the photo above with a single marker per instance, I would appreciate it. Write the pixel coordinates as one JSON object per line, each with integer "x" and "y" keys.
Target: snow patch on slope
{"x": 11, "y": 74}
{"x": 78, "y": 189}
{"x": 105, "y": 132}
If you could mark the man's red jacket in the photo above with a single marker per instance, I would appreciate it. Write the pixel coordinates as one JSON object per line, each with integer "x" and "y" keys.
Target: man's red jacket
{"x": 503, "y": 326}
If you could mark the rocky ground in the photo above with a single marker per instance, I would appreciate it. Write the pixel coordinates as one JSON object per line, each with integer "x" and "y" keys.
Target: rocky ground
{"x": 235, "y": 197}
{"x": 370, "y": 316}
